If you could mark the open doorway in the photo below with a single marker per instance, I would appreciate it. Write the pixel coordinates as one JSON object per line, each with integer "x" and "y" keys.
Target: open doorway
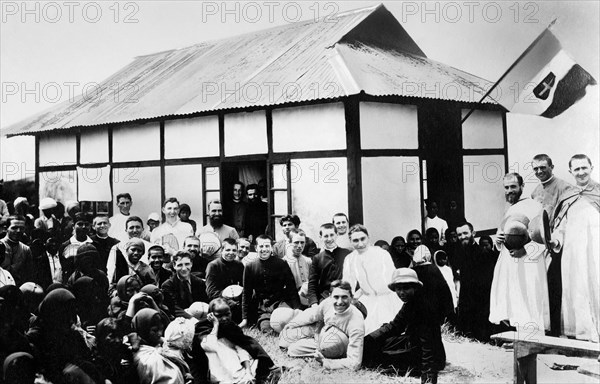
{"x": 249, "y": 218}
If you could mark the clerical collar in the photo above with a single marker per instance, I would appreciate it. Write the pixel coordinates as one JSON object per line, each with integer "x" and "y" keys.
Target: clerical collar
{"x": 549, "y": 180}
{"x": 332, "y": 249}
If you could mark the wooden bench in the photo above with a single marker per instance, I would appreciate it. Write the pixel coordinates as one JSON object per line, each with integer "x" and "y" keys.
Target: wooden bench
{"x": 528, "y": 346}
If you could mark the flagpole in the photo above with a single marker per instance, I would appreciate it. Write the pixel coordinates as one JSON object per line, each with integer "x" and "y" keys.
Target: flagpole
{"x": 508, "y": 70}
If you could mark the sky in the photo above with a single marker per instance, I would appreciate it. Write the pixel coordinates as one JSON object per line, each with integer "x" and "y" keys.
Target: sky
{"x": 52, "y": 50}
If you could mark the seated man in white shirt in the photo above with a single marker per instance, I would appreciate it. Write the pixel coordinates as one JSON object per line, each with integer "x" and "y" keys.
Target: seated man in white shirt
{"x": 333, "y": 332}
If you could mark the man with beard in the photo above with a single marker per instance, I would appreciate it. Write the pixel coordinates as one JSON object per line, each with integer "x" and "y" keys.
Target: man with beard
{"x": 549, "y": 193}
{"x": 476, "y": 272}
{"x": 256, "y": 215}
{"x": 216, "y": 224}
{"x": 200, "y": 261}
{"x": 268, "y": 284}
{"x": 519, "y": 292}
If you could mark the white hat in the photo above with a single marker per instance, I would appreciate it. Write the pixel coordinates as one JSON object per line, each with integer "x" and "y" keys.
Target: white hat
{"x": 47, "y": 203}
{"x": 19, "y": 200}
{"x": 198, "y": 310}
{"x": 154, "y": 216}
{"x": 404, "y": 276}
{"x": 232, "y": 291}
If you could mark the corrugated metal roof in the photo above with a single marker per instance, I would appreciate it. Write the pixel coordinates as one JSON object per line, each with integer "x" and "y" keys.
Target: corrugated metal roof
{"x": 303, "y": 61}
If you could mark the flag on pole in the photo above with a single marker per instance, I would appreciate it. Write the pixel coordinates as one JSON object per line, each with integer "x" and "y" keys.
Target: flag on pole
{"x": 544, "y": 81}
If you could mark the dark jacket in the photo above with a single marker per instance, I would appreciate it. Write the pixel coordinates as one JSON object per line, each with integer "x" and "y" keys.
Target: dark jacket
{"x": 435, "y": 290}
{"x": 220, "y": 274}
{"x": 326, "y": 267}
{"x": 267, "y": 282}
{"x": 103, "y": 246}
{"x": 419, "y": 324}
{"x": 177, "y": 298}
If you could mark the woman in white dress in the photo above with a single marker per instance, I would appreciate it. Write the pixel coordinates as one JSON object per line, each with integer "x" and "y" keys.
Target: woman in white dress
{"x": 369, "y": 270}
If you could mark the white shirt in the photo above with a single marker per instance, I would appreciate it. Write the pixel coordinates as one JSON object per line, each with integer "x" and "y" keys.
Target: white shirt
{"x": 439, "y": 224}
{"x": 179, "y": 229}
{"x": 55, "y": 268}
{"x": 117, "y": 227}
{"x": 224, "y": 359}
{"x": 111, "y": 263}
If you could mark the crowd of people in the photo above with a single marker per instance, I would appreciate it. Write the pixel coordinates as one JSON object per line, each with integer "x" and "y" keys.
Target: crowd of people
{"x": 110, "y": 299}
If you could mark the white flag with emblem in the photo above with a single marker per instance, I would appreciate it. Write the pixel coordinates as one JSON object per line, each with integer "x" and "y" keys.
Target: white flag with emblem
{"x": 545, "y": 81}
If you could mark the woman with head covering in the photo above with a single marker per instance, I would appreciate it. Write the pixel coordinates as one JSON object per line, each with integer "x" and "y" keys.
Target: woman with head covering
{"x": 127, "y": 286}
{"x": 13, "y": 321}
{"x": 399, "y": 254}
{"x": 435, "y": 290}
{"x": 413, "y": 240}
{"x": 19, "y": 368}
{"x": 156, "y": 294}
{"x": 112, "y": 358}
{"x": 91, "y": 302}
{"x": 55, "y": 341}
{"x": 371, "y": 268}
{"x": 130, "y": 262}
{"x": 440, "y": 259}
{"x": 152, "y": 366}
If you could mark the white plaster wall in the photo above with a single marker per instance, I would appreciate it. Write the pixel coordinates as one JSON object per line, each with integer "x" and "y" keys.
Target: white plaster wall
{"x": 58, "y": 150}
{"x": 94, "y": 146}
{"x": 483, "y": 129}
{"x": 245, "y": 133}
{"x": 309, "y": 128}
{"x": 197, "y": 137}
{"x": 136, "y": 142}
{"x": 388, "y": 126}
{"x": 391, "y": 196}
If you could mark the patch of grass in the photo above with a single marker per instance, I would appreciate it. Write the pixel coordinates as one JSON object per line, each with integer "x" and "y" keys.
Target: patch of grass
{"x": 469, "y": 361}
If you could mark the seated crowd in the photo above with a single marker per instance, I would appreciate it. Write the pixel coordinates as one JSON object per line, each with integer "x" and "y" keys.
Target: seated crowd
{"x": 171, "y": 304}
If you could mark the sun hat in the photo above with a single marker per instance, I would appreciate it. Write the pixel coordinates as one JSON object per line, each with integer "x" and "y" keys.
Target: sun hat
{"x": 403, "y": 276}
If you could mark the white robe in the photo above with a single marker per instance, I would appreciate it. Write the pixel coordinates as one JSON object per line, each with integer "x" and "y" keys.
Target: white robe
{"x": 373, "y": 270}
{"x": 519, "y": 291}
{"x": 579, "y": 235}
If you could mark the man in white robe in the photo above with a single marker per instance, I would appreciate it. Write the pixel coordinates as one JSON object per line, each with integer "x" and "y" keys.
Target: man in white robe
{"x": 577, "y": 234}
{"x": 519, "y": 291}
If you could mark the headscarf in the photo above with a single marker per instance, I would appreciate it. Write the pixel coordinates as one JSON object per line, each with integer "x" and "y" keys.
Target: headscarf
{"x": 400, "y": 259}
{"x": 135, "y": 241}
{"x": 422, "y": 255}
{"x": 19, "y": 368}
{"x": 143, "y": 320}
{"x": 122, "y": 285}
{"x": 180, "y": 333}
{"x": 59, "y": 308}
{"x": 154, "y": 292}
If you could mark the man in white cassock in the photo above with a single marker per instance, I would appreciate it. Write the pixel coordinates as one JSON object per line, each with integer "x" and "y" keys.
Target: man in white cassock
{"x": 577, "y": 234}
{"x": 519, "y": 291}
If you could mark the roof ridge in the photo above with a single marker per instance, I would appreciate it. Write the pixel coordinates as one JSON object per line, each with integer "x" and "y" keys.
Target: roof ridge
{"x": 368, "y": 10}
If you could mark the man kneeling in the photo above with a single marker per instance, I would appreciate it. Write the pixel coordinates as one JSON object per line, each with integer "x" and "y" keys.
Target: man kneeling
{"x": 333, "y": 332}
{"x": 412, "y": 342}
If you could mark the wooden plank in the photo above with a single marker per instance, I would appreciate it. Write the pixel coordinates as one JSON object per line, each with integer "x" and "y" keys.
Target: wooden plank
{"x": 567, "y": 345}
